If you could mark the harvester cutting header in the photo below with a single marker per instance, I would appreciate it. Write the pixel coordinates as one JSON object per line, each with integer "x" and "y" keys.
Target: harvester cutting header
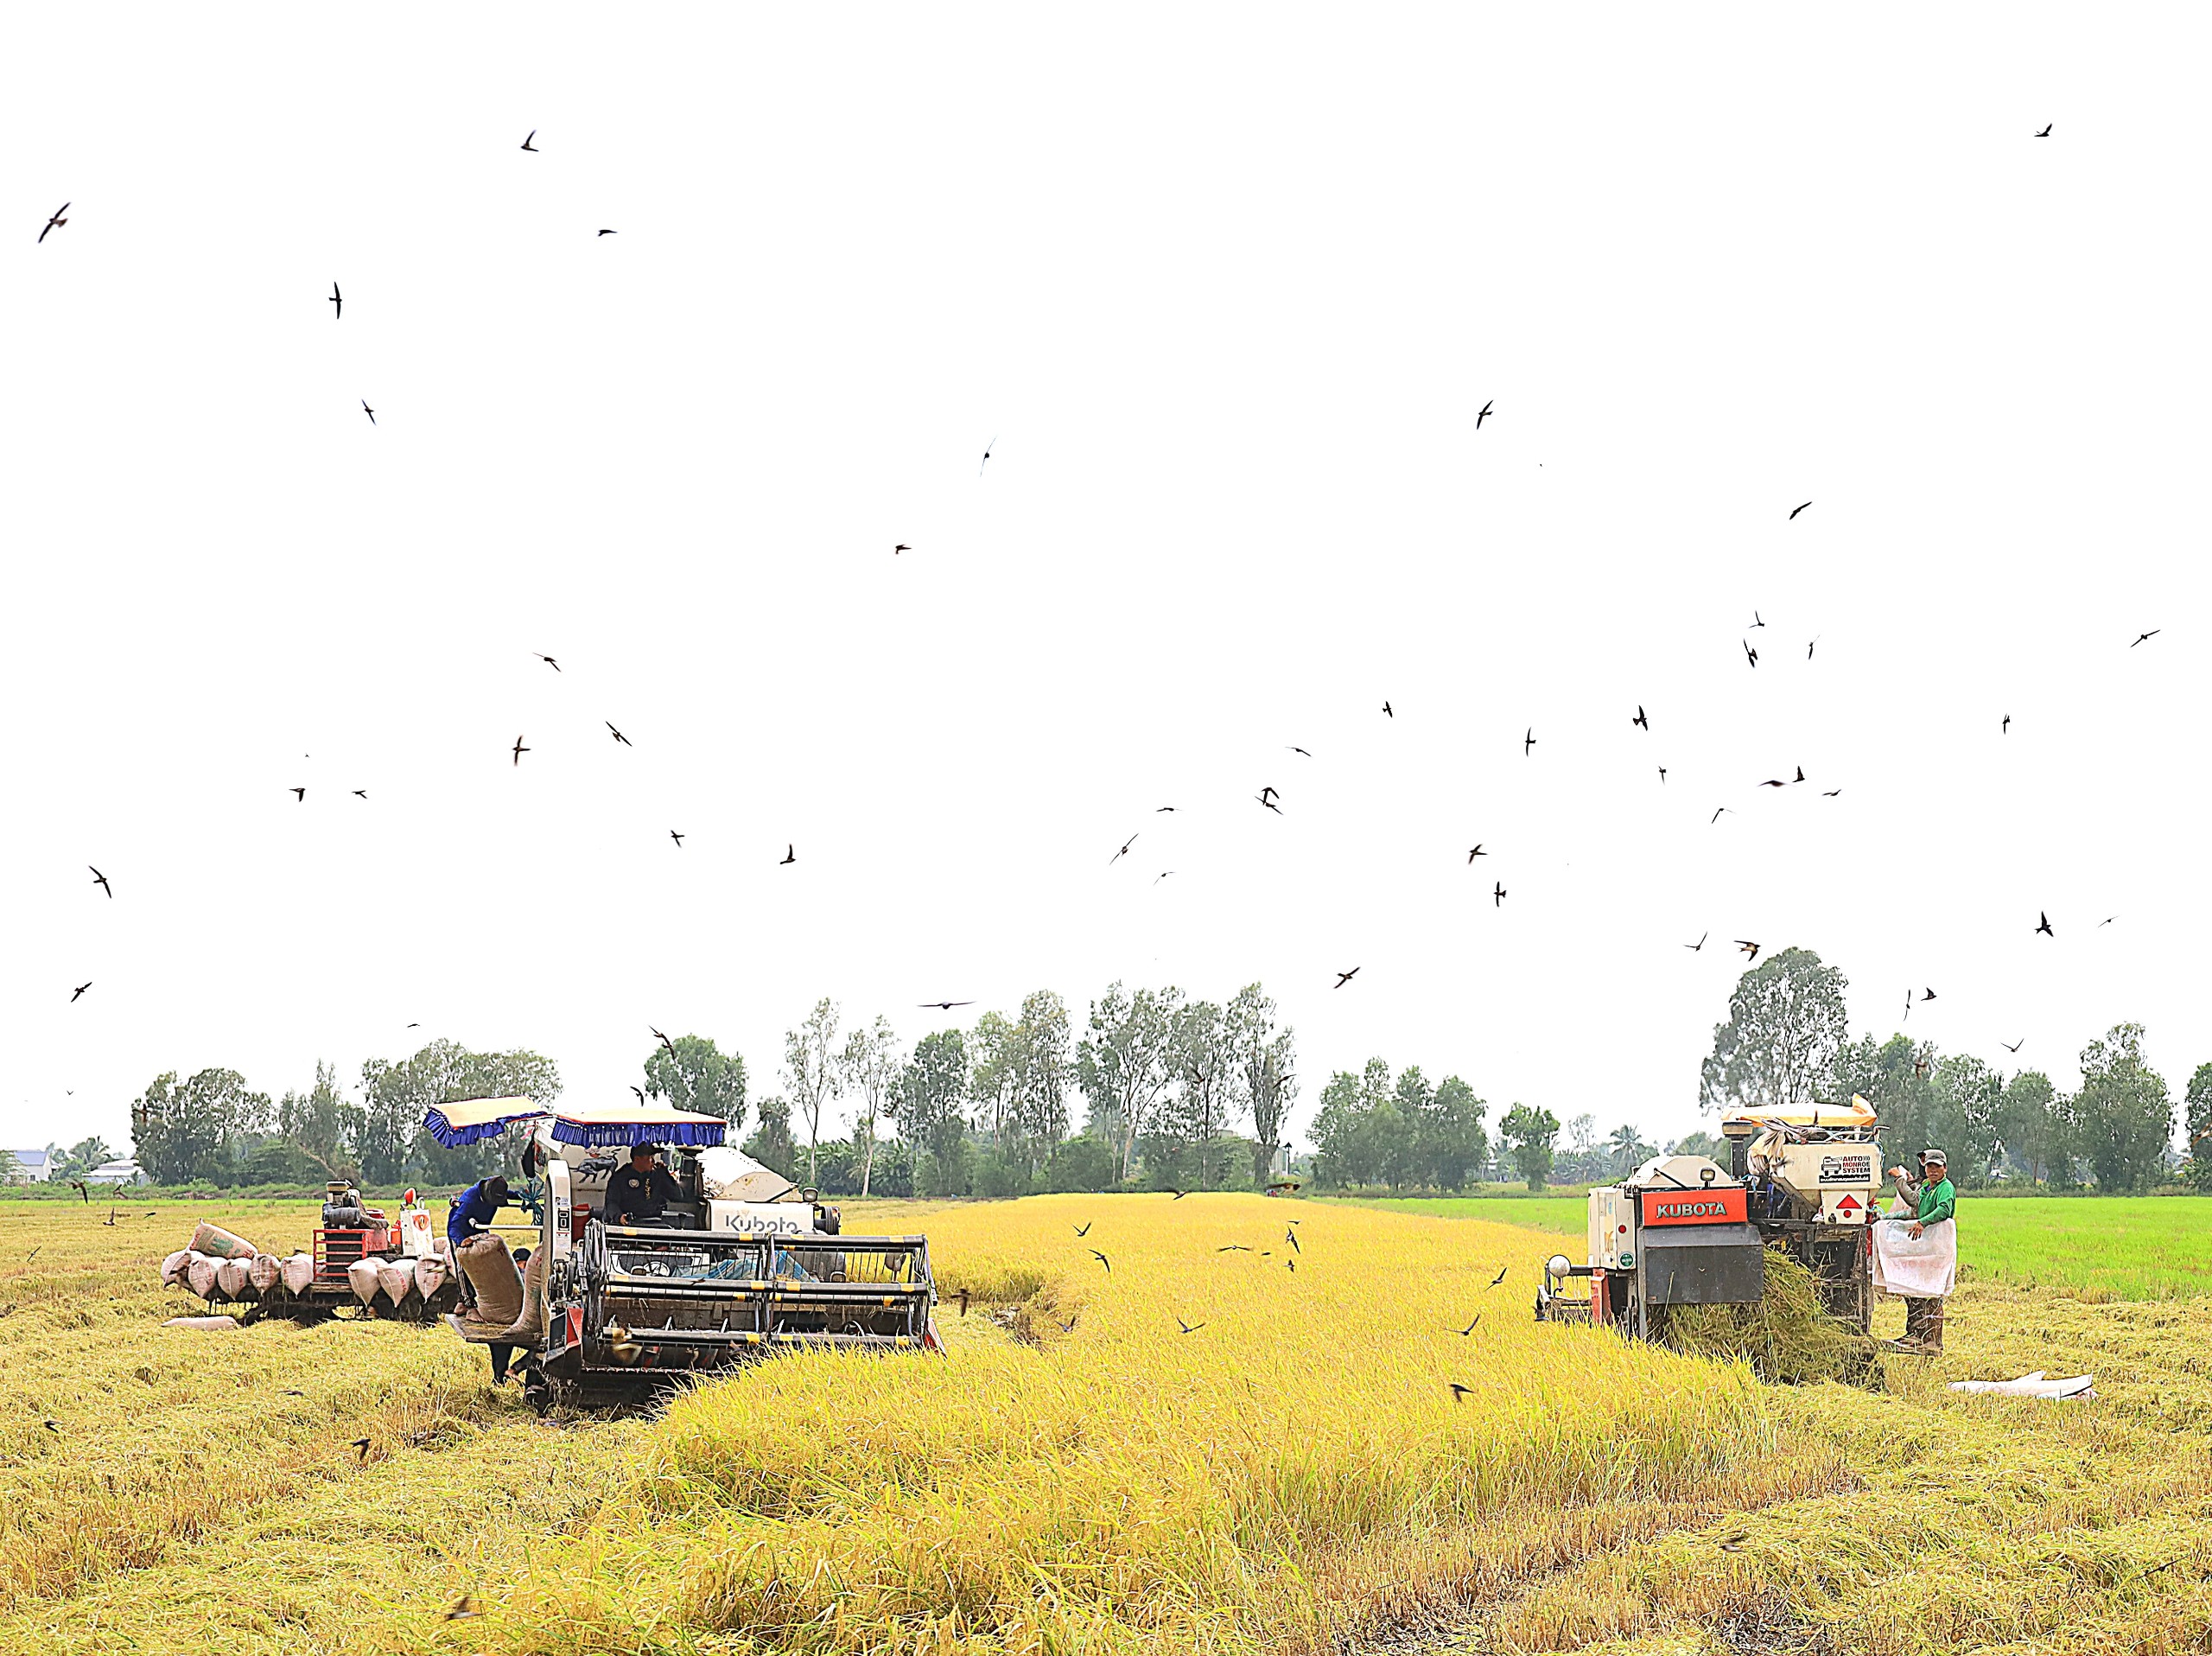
{"x": 1682, "y": 1230}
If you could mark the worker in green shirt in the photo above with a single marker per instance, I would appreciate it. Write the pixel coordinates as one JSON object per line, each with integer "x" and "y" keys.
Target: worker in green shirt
{"x": 1935, "y": 1202}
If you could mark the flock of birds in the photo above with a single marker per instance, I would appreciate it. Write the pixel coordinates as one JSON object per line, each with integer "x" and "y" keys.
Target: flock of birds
{"x": 1270, "y": 797}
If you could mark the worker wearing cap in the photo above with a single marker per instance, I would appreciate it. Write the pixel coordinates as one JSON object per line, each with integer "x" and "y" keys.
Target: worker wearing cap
{"x": 640, "y": 1192}
{"x": 1935, "y": 1202}
{"x": 473, "y": 1210}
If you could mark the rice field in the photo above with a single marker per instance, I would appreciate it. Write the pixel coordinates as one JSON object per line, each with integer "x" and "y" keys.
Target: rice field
{"x": 2095, "y": 1248}
{"x": 1078, "y": 1473}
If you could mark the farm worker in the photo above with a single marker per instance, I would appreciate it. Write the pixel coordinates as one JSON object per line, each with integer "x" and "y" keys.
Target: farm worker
{"x": 473, "y": 1210}
{"x": 640, "y": 1192}
{"x": 1934, "y": 1203}
{"x": 502, "y": 1355}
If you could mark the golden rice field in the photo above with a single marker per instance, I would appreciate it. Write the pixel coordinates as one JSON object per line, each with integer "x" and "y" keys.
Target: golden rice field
{"x": 1079, "y": 1476}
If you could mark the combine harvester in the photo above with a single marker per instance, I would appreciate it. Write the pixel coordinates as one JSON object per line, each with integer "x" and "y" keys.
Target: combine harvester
{"x": 362, "y": 1262}
{"x": 744, "y": 1265}
{"x": 1683, "y": 1231}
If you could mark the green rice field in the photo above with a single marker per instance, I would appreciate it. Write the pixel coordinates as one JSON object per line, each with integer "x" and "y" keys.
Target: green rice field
{"x": 2094, "y": 1248}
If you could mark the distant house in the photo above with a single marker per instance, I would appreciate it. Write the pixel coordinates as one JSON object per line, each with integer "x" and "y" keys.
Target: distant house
{"x": 32, "y": 1167}
{"x": 125, "y": 1171}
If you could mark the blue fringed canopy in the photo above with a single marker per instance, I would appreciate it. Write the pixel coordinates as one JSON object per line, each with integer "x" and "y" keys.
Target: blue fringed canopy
{"x": 469, "y": 1121}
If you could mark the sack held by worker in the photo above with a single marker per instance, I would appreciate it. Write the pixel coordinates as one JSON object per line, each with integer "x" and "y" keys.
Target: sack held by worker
{"x": 1916, "y": 1251}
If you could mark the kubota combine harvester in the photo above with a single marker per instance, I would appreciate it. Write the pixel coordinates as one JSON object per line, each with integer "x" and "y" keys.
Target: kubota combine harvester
{"x": 1682, "y": 1230}
{"x": 742, "y": 1264}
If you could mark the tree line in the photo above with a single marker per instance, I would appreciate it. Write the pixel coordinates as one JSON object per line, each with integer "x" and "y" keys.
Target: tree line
{"x": 1168, "y": 1083}
{"x": 1786, "y": 1039}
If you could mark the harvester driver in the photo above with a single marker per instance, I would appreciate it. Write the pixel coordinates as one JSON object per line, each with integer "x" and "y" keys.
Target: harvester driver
{"x": 639, "y": 1193}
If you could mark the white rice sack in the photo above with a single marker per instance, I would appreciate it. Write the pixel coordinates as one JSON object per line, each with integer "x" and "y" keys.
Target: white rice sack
{"x": 361, "y": 1277}
{"x": 430, "y": 1275}
{"x": 394, "y": 1277}
{"x": 224, "y": 1245}
{"x": 200, "y": 1271}
{"x": 209, "y": 1324}
{"x": 172, "y": 1267}
{"x": 230, "y": 1275}
{"x": 266, "y": 1272}
{"x": 299, "y": 1272}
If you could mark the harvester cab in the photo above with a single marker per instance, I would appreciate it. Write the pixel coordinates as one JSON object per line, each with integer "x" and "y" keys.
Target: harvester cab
{"x": 1682, "y": 1230}
{"x": 741, "y": 1265}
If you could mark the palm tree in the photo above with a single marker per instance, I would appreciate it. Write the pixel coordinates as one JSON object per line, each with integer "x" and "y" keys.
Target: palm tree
{"x": 1629, "y": 1149}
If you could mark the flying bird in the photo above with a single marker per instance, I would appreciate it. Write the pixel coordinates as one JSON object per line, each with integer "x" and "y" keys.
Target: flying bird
{"x": 1927, "y": 993}
{"x": 945, "y": 1006}
{"x": 677, "y": 837}
{"x": 547, "y": 659}
{"x": 1799, "y": 776}
{"x": 1831, "y": 793}
{"x": 527, "y": 144}
{"x": 1748, "y": 948}
{"x": 1459, "y": 1391}
{"x": 360, "y": 793}
{"x": 362, "y": 1444}
{"x": 790, "y": 856}
{"x": 1268, "y": 803}
{"x": 339, "y": 299}
{"x": 1808, "y": 648}
{"x": 1663, "y": 776}
{"x": 1751, "y": 653}
{"x": 1103, "y": 1260}
{"x": 1500, "y": 1277}
{"x": 1232, "y": 1247}
{"x": 986, "y": 460}
{"x": 1290, "y": 1235}
{"x": 2013, "y": 1046}
{"x": 1301, "y": 750}
{"x": 80, "y": 1187}
{"x": 664, "y": 1040}
{"x": 607, "y": 233}
{"x": 640, "y": 1092}
{"x": 1527, "y": 741}
{"x": 56, "y": 221}
{"x": 902, "y": 547}
{"x": 1188, "y": 1327}
{"x": 520, "y": 750}
{"x": 1755, "y": 621}
{"x": 1478, "y": 852}
{"x": 2043, "y": 924}
{"x": 1497, "y": 894}
{"x": 467, "y": 1607}
{"x": 2046, "y": 131}
{"x": 52, "y": 1426}
{"x": 1343, "y": 977}
{"x": 1697, "y": 947}
{"x": 1640, "y": 719}
{"x": 1481, "y": 415}
{"x": 1717, "y": 815}
{"x": 1157, "y": 809}
{"x": 1123, "y": 852}
{"x": 1162, "y": 874}
{"x": 1801, "y": 508}
{"x": 618, "y": 736}
{"x": 2005, "y": 727}
{"x": 1387, "y": 713}
{"x": 1084, "y": 1229}
{"x": 367, "y": 410}
{"x": 2106, "y": 921}
{"x": 1770, "y": 782}
{"x": 2153, "y": 632}
{"x": 100, "y": 880}
{"x": 1068, "y": 1325}
{"x": 299, "y": 795}
{"x": 76, "y": 994}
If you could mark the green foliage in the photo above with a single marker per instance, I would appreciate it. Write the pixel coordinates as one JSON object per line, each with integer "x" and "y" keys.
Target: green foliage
{"x": 1266, "y": 1062}
{"x": 698, "y": 1075}
{"x": 1528, "y": 1135}
{"x": 1084, "y": 1163}
{"x": 929, "y": 1095}
{"x": 1711, "y": 1146}
{"x": 2197, "y": 1106}
{"x": 997, "y": 1179}
{"x": 1897, "y": 1078}
{"x": 1627, "y": 1151}
{"x": 180, "y": 1131}
{"x": 812, "y": 1072}
{"x": 2122, "y": 1116}
{"x": 1374, "y": 1130}
{"x": 871, "y": 1064}
{"x": 2032, "y": 1126}
{"x": 1786, "y": 1024}
{"x": 770, "y": 1144}
{"x": 392, "y": 1146}
{"x": 946, "y": 1170}
{"x": 1126, "y": 1063}
{"x": 81, "y": 1159}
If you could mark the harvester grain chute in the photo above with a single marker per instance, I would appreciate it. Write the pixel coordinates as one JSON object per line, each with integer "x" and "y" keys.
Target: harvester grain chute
{"x": 1682, "y": 1230}
{"x": 742, "y": 1264}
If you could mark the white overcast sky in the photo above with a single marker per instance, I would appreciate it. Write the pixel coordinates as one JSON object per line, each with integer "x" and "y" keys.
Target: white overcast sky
{"x": 1227, "y": 286}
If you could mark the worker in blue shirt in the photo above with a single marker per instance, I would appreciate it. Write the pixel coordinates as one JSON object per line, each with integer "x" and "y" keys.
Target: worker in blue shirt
{"x": 473, "y": 1210}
